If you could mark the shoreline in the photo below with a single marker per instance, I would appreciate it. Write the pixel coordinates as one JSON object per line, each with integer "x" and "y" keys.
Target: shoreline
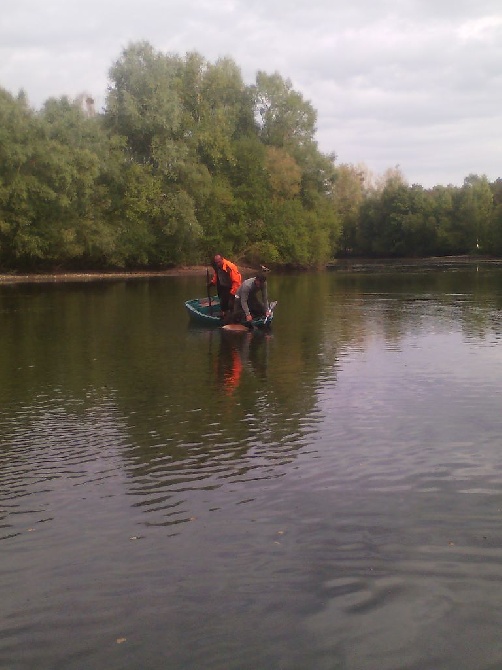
{"x": 54, "y": 277}
{"x": 352, "y": 265}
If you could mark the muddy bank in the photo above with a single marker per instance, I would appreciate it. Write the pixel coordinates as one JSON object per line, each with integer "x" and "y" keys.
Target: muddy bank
{"x": 188, "y": 270}
{"x": 344, "y": 265}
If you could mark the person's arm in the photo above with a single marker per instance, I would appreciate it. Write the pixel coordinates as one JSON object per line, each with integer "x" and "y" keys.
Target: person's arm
{"x": 235, "y": 278}
{"x": 244, "y": 295}
{"x": 264, "y": 294}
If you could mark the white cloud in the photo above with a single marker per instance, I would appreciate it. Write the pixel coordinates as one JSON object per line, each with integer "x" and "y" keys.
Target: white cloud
{"x": 408, "y": 82}
{"x": 486, "y": 28}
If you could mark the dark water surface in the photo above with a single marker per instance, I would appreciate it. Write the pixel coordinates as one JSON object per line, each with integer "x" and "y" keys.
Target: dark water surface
{"x": 327, "y": 497}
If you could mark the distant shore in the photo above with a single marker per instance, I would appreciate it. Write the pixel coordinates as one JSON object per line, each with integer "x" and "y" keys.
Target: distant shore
{"x": 413, "y": 264}
{"x": 350, "y": 265}
{"x": 53, "y": 277}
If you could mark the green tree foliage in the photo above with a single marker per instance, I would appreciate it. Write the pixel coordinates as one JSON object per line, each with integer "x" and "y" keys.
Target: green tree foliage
{"x": 78, "y": 227}
{"x": 348, "y": 196}
{"x": 399, "y": 220}
{"x": 284, "y": 118}
{"x": 442, "y": 212}
{"x": 145, "y": 106}
{"x": 474, "y": 207}
{"x": 143, "y": 102}
{"x": 284, "y": 174}
{"x": 20, "y": 189}
{"x": 49, "y": 203}
{"x": 495, "y": 236}
{"x": 187, "y": 159}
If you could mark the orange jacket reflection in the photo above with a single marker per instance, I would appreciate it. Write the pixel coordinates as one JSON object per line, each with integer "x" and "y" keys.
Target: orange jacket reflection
{"x": 232, "y": 376}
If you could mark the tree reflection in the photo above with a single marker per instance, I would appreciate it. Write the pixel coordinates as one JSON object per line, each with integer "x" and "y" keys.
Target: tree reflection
{"x": 196, "y": 409}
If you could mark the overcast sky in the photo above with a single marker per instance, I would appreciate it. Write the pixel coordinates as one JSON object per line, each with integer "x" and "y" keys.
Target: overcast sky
{"x": 414, "y": 83}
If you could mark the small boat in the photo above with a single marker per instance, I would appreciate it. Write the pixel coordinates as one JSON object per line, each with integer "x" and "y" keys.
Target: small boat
{"x": 206, "y": 312}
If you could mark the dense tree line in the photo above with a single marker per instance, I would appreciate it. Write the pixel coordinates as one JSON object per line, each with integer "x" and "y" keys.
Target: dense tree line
{"x": 185, "y": 159}
{"x": 394, "y": 219}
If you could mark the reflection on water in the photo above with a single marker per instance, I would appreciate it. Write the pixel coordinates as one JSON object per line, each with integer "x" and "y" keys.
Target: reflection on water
{"x": 239, "y": 352}
{"x": 326, "y": 496}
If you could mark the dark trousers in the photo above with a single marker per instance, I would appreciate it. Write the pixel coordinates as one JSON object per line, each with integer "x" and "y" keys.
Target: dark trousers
{"x": 226, "y": 300}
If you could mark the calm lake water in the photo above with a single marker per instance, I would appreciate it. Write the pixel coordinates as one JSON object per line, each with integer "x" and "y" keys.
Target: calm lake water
{"x": 325, "y": 497}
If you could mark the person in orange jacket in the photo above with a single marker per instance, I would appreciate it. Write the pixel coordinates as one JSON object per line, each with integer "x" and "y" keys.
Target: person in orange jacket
{"x": 227, "y": 280}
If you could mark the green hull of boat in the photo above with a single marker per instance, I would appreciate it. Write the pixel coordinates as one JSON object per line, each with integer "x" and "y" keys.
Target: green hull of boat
{"x": 205, "y": 313}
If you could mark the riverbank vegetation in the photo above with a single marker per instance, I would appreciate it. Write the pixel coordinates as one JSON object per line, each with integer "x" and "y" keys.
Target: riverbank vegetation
{"x": 186, "y": 159}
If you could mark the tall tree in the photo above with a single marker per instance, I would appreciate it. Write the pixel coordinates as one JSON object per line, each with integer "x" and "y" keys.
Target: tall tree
{"x": 143, "y": 101}
{"x": 145, "y": 104}
{"x": 473, "y": 213}
{"x": 495, "y": 236}
{"x": 348, "y": 195}
{"x": 222, "y": 108}
{"x": 20, "y": 187}
{"x": 284, "y": 118}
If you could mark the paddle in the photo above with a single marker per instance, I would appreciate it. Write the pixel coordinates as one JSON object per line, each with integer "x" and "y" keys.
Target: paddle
{"x": 209, "y": 293}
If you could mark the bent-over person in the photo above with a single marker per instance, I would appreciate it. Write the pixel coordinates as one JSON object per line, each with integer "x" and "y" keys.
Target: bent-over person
{"x": 247, "y": 304}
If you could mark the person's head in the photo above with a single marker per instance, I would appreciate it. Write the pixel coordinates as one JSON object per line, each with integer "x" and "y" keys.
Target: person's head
{"x": 260, "y": 279}
{"x": 218, "y": 260}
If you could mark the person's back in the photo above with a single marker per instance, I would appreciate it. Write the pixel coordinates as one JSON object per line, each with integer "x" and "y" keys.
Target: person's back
{"x": 227, "y": 280}
{"x": 247, "y": 304}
